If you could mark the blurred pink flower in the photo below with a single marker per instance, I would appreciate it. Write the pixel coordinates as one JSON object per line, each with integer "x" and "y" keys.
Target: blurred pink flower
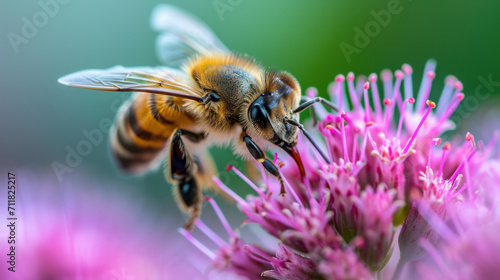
{"x": 463, "y": 223}
{"x": 80, "y": 231}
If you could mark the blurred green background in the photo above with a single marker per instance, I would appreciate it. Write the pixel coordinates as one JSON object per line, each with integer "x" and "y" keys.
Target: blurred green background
{"x": 41, "y": 118}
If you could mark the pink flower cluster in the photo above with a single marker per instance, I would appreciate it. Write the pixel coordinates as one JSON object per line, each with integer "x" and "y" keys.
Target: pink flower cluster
{"x": 78, "y": 230}
{"x": 386, "y": 177}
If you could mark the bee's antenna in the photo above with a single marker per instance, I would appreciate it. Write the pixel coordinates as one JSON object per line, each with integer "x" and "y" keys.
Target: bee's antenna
{"x": 301, "y": 127}
{"x": 315, "y": 100}
{"x": 309, "y": 104}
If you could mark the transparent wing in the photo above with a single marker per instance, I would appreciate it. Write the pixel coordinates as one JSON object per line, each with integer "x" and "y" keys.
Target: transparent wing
{"x": 158, "y": 80}
{"x": 183, "y": 36}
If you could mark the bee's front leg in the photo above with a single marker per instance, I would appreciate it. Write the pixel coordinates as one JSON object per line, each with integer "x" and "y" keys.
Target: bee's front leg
{"x": 261, "y": 157}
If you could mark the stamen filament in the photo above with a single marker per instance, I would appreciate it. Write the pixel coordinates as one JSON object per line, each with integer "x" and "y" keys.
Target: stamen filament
{"x": 408, "y": 84}
{"x": 388, "y": 103}
{"x": 435, "y": 142}
{"x": 457, "y": 98}
{"x": 210, "y": 233}
{"x": 429, "y": 66}
{"x": 431, "y": 106}
{"x": 197, "y": 243}
{"x": 221, "y": 216}
{"x": 446, "y": 147}
{"x": 375, "y": 94}
{"x": 228, "y": 191}
{"x": 387, "y": 80}
{"x": 257, "y": 254}
{"x": 429, "y": 77}
{"x": 363, "y": 146}
{"x": 339, "y": 81}
{"x": 461, "y": 166}
{"x": 354, "y": 148}
{"x": 344, "y": 141}
{"x": 367, "y": 102}
{"x": 244, "y": 178}
{"x": 396, "y": 96}
{"x": 445, "y": 95}
{"x": 410, "y": 100}
{"x": 352, "y": 91}
{"x": 292, "y": 191}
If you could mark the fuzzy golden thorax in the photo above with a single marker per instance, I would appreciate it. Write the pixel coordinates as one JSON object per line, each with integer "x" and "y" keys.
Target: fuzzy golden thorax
{"x": 233, "y": 78}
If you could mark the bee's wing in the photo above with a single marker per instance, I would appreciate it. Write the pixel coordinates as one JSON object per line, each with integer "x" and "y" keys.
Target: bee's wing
{"x": 158, "y": 80}
{"x": 183, "y": 36}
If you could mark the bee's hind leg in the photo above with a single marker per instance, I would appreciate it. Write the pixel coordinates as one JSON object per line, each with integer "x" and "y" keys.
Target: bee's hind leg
{"x": 180, "y": 171}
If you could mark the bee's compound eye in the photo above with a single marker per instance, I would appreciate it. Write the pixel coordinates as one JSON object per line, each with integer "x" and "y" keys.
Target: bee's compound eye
{"x": 254, "y": 113}
{"x": 258, "y": 115}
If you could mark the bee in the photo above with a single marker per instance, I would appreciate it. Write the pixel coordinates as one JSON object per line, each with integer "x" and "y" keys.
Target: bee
{"x": 207, "y": 95}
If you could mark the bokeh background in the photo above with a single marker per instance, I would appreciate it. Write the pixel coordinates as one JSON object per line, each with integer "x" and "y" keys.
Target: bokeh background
{"x": 40, "y": 118}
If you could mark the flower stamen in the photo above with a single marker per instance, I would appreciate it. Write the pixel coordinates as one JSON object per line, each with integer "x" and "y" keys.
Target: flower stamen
{"x": 221, "y": 216}
{"x": 197, "y": 243}
{"x": 431, "y": 105}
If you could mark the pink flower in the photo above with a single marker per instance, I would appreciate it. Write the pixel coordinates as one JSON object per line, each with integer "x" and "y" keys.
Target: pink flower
{"x": 288, "y": 265}
{"x": 233, "y": 256}
{"x": 80, "y": 231}
{"x": 374, "y": 225}
{"x": 343, "y": 265}
{"x": 340, "y": 220}
{"x": 466, "y": 242}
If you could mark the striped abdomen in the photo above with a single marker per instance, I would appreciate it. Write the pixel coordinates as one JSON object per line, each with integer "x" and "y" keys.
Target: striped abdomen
{"x": 142, "y": 129}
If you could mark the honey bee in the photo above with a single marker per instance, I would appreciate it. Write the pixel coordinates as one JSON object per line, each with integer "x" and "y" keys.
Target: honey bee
{"x": 208, "y": 95}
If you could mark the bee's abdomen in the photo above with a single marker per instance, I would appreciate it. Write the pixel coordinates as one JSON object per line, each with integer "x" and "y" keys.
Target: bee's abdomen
{"x": 140, "y": 133}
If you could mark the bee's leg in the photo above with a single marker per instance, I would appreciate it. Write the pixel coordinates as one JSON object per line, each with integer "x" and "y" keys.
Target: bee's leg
{"x": 180, "y": 171}
{"x": 261, "y": 157}
{"x": 309, "y": 103}
{"x": 190, "y": 193}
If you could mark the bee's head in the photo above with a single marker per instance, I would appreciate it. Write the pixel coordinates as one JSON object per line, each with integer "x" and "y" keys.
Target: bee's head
{"x": 280, "y": 95}
{"x": 273, "y": 115}
{"x": 276, "y": 102}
